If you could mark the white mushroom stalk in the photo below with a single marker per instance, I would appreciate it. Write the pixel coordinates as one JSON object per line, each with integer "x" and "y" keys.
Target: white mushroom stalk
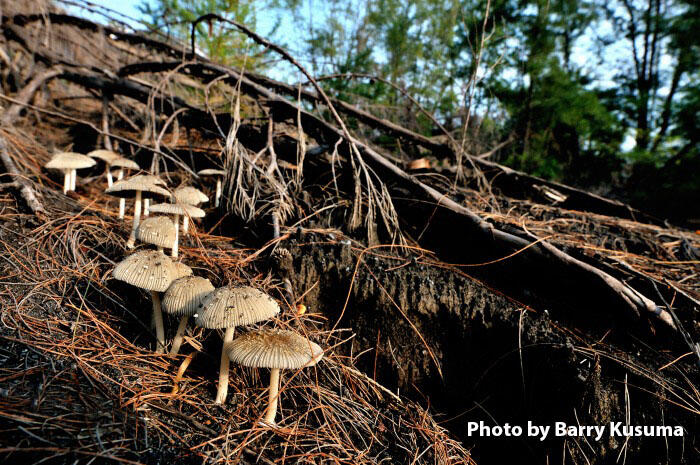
{"x": 66, "y": 180}
{"x": 158, "y": 318}
{"x": 219, "y": 174}
{"x": 137, "y": 217}
{"x": 122, "y": 201}
{"x": 222, "y": 389}
{"x": 272, "y": 397}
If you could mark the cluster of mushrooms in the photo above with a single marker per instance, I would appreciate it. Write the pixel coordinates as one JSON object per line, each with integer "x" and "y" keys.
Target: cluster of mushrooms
{"x": 186, "y": 295}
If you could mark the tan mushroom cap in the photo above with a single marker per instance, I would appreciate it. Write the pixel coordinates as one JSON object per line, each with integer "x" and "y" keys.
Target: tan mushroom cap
{"x": 106, "y": 156}
{"x": 149, "y": 186}
{"x": 184, "y": 295}
{"x": 70, "y": 161}
{"x": 227, "y": 307}
{"x": 275, "y": 349}
{"x": 157, "y": 230}
{"x": 211, "y": 172}
{"x": 177, "y": 209}
{"x": 182, "y": 270}
{"x": 190, "y": 195}
{"x": 147, "y": 269}
{"x": 122, "y": 162}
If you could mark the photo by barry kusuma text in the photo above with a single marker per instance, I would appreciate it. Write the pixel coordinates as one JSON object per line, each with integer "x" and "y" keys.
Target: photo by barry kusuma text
{"x": 562, "y": 429}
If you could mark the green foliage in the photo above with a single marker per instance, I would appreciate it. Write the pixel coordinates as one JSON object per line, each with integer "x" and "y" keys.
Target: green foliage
{"x": 218, "y": 40}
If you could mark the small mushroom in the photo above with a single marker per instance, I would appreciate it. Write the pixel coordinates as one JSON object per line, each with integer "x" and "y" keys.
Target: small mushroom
{"x": 182, "y": 299}
{"x": 153, "y": 271}
{"x": 182, "y": 270}
{"x": 108, "y": 157}
{"x": 276, "y": 350}
{"x": 228, "y": 307}
{"x": 219, "y": 174}
{"x": 69, "y": 162}
{"x": 124, "y": 163}
{"x": 138, "y": 187}
{"x": 177, "y": 209}
{"x": 157, "y": 230}
{"x": 190, "y": 196}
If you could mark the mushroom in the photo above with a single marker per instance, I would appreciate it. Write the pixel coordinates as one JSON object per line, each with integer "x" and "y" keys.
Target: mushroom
{"x": 182, "y": 270}
{"x": 108, "y": 157}
{"x": 153, "y": 271}
{"x": 157, "y": 230}
{"x": 182, "y": 299}
{"x": 277, "y": 350}
{"x": 69, "y": 162}
{"x": 177, "y": 209}
{"x": 139, "y": 186}
{"x": 190, "y": 196}
{"x": 228, "y": 307}
{"x": 124, "y": 163}
{"x": 218, "y": 174}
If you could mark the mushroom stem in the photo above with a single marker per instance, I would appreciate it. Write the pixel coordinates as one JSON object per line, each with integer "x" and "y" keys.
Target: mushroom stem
{"x": 73, "y": 175}
{"x": 223, "y": 368}
{"x": 177, "y": 238}
{"x": 122, "y": 202}
{"x": 177, "y": 340}
{"x": 109, "y": 177}
{"x": 66, "y": 181}
{"x": 158, "y": 317}
{"x": 146, "y": 206}
{"x": 185, "y": 225}
{"x": 218, "y": 192}
{"x": 137, "y": 215}
{"x": 273, "y": 395}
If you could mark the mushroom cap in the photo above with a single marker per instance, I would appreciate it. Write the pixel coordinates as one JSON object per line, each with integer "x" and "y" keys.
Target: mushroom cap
{"x": 157, "y": 230}
{"x": 182, "y": 270}
{"x": 190, "y": 195}
{"x": 275, "y": 348}
{"x": 231, "y": 306}
{"x": 106, "y": 156}
{"x": 147, "y": 269}
{"x": 150, "y": 187}
{"x": 185, "y": 294}
{"x": 211, "y": 172}
{"x": 177, "y": 209}
{"x": 70, "y": 161}
{"x": 122, "y": 162}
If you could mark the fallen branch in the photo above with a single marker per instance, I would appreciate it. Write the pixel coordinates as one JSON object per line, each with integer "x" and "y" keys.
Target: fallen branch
{"x": 25, "y": 188}
{"x": 27, "y": 93}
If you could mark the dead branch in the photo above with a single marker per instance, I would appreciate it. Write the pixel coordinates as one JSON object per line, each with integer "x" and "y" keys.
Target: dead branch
{"x": 25, "y": 188}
